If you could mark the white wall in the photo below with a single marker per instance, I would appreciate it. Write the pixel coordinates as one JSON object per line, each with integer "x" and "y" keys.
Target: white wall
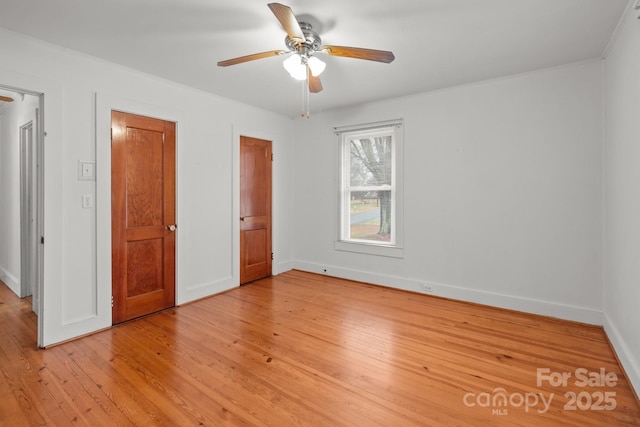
{"x": 77, "y": 299}
{"x": 502, "y": 193}
{"x": 622, "y": 197}
{"x": 20, "y": 112}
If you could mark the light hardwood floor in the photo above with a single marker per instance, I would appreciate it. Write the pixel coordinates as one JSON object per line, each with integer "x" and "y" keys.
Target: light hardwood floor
{"x": 301, "y": 349}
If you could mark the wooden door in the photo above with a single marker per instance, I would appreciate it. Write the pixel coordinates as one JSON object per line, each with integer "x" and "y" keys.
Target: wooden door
{"x": 255, "y": 209}
{"x": 143, "y": 215}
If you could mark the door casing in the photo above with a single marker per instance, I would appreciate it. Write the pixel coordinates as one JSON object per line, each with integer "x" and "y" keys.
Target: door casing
{"x": 28, "y": 211}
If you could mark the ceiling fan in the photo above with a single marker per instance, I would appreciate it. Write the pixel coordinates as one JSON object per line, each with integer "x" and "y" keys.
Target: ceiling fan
{"x": 304, "y": 43}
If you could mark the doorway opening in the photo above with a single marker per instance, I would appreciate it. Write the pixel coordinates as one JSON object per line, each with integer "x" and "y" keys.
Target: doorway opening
{"x": 22, "y": 193}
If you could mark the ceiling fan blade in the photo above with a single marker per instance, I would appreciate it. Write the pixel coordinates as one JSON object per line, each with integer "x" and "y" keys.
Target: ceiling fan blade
{"x": 248, "y": 58}
{"x": 359, "y": 53}
{"x": 5, "y": 99}
{"x": 288, "y": 20}
{"x": 315, "y": 85}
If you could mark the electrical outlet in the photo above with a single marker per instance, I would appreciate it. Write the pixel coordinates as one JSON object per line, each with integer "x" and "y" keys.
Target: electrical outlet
{"x": 426, "y": 288}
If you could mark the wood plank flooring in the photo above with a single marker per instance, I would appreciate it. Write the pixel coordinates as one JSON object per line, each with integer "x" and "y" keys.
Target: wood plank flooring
{"x": 301, "y": 349}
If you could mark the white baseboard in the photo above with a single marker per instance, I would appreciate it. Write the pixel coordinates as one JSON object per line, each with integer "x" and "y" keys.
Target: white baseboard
{"x": 544, "y": 308}
{"x": 626, "y": 358}
{"x": 203, "y": 290}
{"x": 10, "y": 280}
{"x": 282, "y": 267}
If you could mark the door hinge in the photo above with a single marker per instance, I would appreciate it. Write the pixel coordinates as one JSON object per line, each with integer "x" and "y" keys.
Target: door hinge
{"x": 42, "y": 240}
{"x": 272, "y": 157}
{"x": 111, "y": 301}
{"x": 271, "y": 256}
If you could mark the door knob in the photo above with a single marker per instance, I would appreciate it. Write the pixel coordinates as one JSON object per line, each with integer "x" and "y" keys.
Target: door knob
{"x": 243, "y": 218}
{"x": 171, "y": 227}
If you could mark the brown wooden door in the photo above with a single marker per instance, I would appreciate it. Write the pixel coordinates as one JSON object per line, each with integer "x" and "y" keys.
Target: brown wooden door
{"x": 143, "y": 215}
{"x": 255, "y": 209}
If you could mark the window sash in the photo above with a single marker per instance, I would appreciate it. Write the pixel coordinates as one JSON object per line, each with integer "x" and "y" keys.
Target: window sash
{"x": 347, "y": 189}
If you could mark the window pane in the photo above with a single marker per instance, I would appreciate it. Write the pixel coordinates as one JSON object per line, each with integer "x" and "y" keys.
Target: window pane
{"x": 370, "y": 215}
{"x": 370, "y": 161}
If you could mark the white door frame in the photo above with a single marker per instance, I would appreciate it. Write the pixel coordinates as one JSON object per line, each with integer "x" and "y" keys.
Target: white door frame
{"x": 28, "y": 211}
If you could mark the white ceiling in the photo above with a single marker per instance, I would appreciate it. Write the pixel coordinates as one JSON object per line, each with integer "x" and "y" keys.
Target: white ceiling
{"x": 437, "y": 43}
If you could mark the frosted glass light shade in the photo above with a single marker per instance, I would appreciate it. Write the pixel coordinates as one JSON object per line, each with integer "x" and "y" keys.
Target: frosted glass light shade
{"x": 316, "y": 66}
{"x": 295, "y": 67}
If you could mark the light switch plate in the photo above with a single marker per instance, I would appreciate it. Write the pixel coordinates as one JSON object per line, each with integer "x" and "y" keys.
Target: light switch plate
{"x": 86, "y": 171}
{"x": 87, "y": 201}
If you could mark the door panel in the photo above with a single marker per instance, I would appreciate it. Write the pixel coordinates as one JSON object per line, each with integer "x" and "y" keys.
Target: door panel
{"x": 143, "y": 209}
{"x": 255, "y": 209}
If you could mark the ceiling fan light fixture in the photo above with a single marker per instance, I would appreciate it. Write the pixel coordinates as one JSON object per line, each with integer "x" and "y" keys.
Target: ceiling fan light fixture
{"x": 295, "y": 67}
{"x": 316, "y": 66}
{"x": 302, "y": 42}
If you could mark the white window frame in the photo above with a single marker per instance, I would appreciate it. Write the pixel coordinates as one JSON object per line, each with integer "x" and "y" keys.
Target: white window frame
{"x": 393, "y": 248}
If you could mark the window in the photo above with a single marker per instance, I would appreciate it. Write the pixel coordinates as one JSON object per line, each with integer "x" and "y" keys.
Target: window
{"x": 370, "y": 194}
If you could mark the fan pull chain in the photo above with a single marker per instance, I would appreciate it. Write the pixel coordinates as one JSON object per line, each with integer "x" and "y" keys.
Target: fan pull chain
{"x": 304, "y": 82}
{"x": 306, "y": 92}
{"x": 305, "y": 96}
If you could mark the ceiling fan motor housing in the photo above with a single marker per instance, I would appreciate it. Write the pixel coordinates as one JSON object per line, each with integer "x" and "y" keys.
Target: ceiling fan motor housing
{"x": 311, "y": 43}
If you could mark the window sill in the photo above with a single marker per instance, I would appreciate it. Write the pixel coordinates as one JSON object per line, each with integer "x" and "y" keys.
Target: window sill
{"x": 370, "y": 249}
